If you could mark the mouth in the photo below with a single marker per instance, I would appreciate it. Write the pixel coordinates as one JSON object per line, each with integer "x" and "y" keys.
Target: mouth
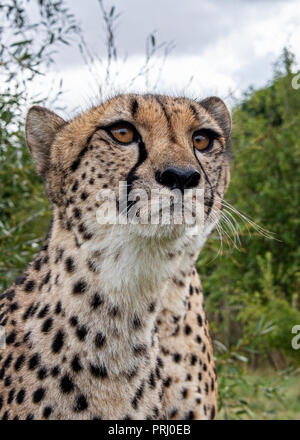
{"x": 157, "y": 207}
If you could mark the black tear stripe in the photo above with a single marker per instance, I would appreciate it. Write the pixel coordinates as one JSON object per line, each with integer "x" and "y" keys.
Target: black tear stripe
{"x": 131, "y": 176}
{"x": 168, "y": 118}
{"x": 134, "y": 107}
{"x": 77, "y": 161}
{"x": 212, "y": 197}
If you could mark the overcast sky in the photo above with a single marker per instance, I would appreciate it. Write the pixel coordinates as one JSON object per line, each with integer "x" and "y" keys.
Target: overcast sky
{"x": 225, "y": 45}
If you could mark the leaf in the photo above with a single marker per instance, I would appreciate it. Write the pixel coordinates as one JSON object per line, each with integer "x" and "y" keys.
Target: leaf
{"x": 21, "y": 43}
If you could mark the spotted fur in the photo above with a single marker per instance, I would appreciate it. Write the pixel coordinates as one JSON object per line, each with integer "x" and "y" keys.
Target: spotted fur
{"x": 108, "y": 322}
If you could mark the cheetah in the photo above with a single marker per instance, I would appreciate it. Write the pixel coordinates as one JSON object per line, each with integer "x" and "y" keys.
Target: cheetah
{"x": 108, "y": 321}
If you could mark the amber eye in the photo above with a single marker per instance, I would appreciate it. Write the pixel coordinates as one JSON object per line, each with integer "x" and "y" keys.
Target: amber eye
{"x": 201, "y": 140}
{"x": 123, "y": 132}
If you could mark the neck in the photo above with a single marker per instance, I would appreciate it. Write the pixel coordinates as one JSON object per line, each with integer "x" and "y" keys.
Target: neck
{"x": 110, "y": 289}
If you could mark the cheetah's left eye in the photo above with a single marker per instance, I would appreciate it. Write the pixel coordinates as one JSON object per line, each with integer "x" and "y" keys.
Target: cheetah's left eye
{"x": 201, "y": 140}
{"x": 122, "y": 132}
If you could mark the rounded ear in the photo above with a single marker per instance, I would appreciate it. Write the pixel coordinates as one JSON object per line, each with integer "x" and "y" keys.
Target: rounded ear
{"x": 216, "y": 107}
{"x": 41, "y": 128}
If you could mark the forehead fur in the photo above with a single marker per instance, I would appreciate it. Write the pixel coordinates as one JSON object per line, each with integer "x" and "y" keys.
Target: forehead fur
{"x": 160, "y": 113}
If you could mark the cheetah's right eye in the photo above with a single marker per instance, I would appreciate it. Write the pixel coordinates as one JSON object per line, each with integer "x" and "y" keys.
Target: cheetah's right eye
{"x": 123, "y": 132}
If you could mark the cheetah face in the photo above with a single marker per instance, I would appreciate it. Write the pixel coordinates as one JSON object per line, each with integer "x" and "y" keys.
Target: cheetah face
{"x": 150, "y": 152}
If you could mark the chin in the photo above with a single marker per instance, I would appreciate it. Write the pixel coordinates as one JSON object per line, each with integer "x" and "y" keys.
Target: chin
{"x": 157, "y": 232}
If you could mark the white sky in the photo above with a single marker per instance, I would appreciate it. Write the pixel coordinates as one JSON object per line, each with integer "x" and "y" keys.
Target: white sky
{"x": 225, "y": 45}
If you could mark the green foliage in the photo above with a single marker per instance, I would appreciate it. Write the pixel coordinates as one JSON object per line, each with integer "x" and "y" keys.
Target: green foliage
{"x": 24, "y": 210}
{"x": 261, "y": 279}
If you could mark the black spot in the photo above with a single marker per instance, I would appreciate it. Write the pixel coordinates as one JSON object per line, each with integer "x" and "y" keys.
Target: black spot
{"x": 37, "y": 264}
{"x": 176, "y": 357}
{"x": 55, "y": 371}
{"x": 81, "y": 403}
{"x": 187, "y": 330}
{"x": 77, "y": 213}
{"x": 132, "y": 373}
{"x": 75, "y": 186}
{"x": 173, "y": 413}
{"x": 69, "y": 265}
{"x": 151, "y": 307}
{"x": 47, "y": 325}
{"x": 13, "y": 307}
{"x": 8, "y": 361}
{"x": 45, "y": 280}
{"x": 184, "y": 393}
{"x": 11, "y": 396}
{"x": 81, "y": 332}
{"x": 189, "y": 415}
{"x": 58, "y": 308}
{"x": 19, "y": 362}
{"x": 198, "y": 339}
{"x": 139, "y": 349}
{"x": 199, "y": 319}
{"x": 137, "y": 323}
{"x": 7, "y": 381}
{"x": 206, "y": 388}
{"x": 38, "y": 395}
{"x": 99, "y": 340}
{"x": 113, "y": 311}
{"x": 76, "y": 364}
{"x": 10, "y": 339}
{"x": 79, "y": 287}
{"x": 66, "y": 384}
{"x": 193, "y": 359}
{"x": 73, "y": 321}
{"x": 96, "y": 301}
{"x": 100, "y": 371}
{"x": 58, "y": 342}
{"x": 29, "y": 286}
{"x": 167, "y": 382}
{"x": 43, "y": 312}
{"x": 20, "y": 396}
{"x": 212, "y": 412}
{"x": 152, "y": 381}
{"x": 47, "y": 412}
{"x": 26, "y": 336}
{"x": 34, "y": 361}
{"x": 134, "y": 403}
{"x": 42, "y": 373}
{"x": 5, "y": 415}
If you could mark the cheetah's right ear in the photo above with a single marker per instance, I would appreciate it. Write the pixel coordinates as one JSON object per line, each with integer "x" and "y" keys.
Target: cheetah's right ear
{"x": 41, "y": 128}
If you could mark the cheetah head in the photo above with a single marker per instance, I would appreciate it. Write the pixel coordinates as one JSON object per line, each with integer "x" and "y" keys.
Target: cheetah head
{"x": 151, "y": 143}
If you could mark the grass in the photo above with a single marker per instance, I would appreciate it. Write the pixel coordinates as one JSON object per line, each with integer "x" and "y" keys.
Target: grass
{"x": 266, "y": 395}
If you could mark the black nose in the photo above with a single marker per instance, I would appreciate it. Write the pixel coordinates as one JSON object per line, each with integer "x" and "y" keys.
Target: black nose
{"x": 180, "y": 178}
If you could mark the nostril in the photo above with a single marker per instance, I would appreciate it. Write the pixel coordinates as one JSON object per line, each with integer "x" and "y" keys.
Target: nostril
{"x": 168, "y": 178}
{"x": 193, "y": 180}
{"x": 180, "y": 178}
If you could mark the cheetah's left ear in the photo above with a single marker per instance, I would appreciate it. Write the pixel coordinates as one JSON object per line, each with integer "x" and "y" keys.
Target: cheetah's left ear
{"x": 216, "y": 107}
{"x": 41, "y": 127}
